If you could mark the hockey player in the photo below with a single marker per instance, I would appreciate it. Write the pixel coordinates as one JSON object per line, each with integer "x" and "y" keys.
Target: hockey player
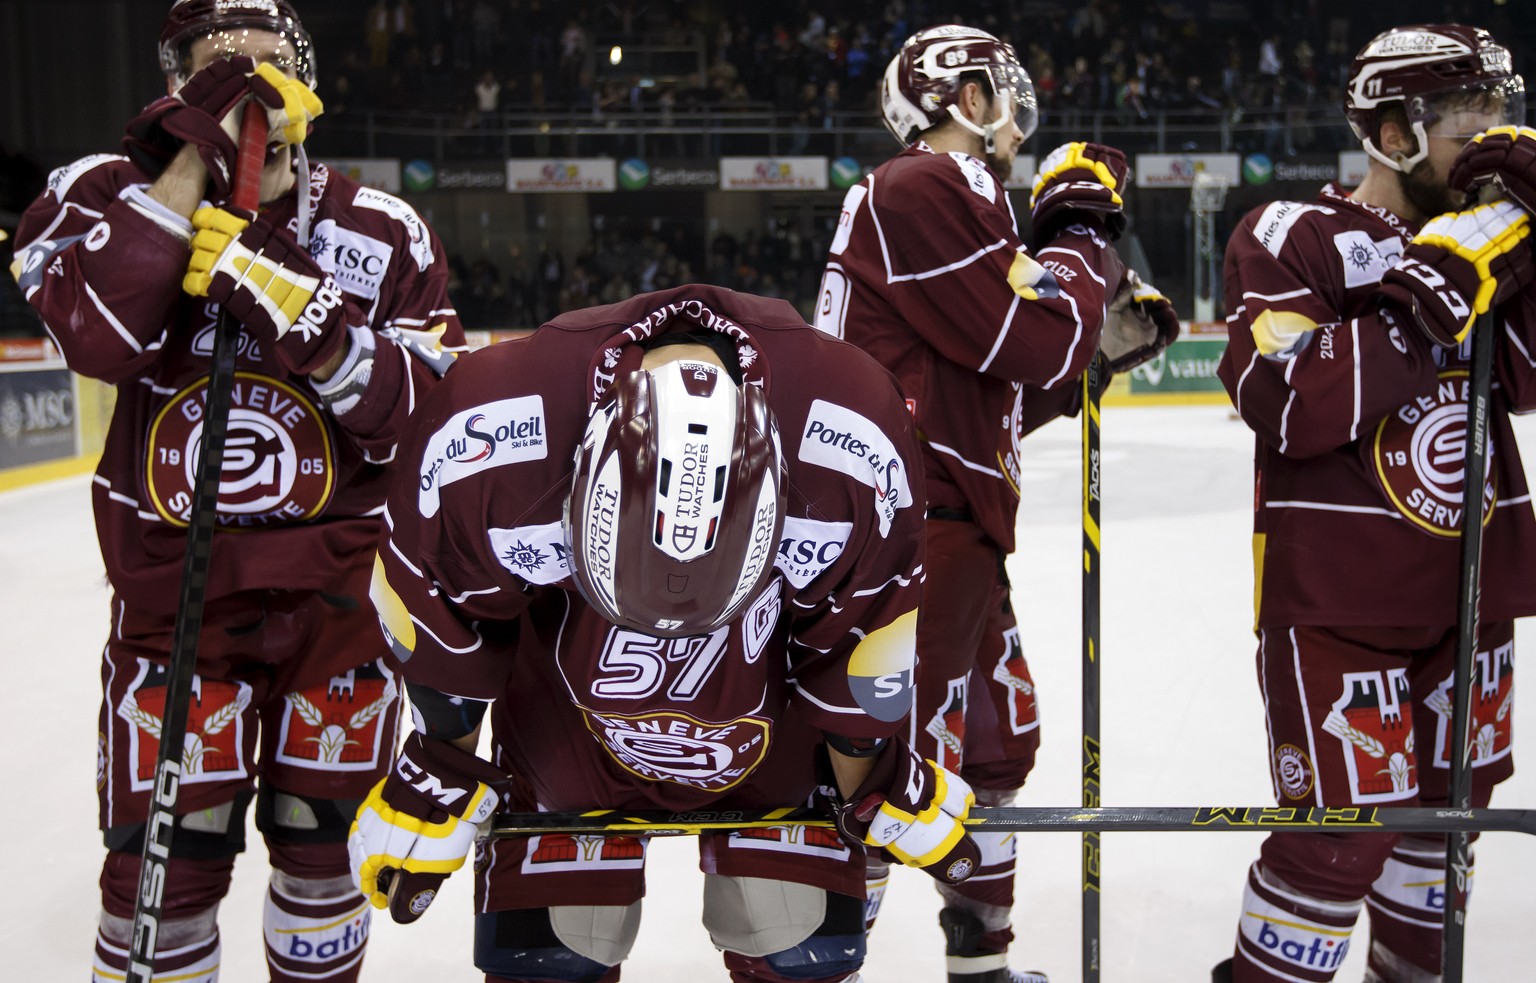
{"x": 340, "y": 295}
{"x": 677, "y": 541}
{"x": 928, "y": 273}
{"x": 1350, "y": 318}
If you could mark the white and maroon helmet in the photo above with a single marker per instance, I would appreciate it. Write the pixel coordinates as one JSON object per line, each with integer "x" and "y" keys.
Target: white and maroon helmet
{"x": 222, "y": 21}
{"x": 1424, "y": 67}
{"x": 922, "y": 83}
{"x": 677, "y": 501}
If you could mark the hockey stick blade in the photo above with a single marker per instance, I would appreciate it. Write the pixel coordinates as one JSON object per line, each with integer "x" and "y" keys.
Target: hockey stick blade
{"x": 1116, "y": 819}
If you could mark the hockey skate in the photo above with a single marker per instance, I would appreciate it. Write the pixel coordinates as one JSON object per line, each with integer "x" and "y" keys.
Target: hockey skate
{"x": 962, "y": 931}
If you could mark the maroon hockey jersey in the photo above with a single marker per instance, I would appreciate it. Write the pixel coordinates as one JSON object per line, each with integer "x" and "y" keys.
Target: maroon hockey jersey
{"x": 928, "y": 274}
{"x": 475, "y": 592}
{"x": 103, "y": 265}
{"x": 1361, "y": 430}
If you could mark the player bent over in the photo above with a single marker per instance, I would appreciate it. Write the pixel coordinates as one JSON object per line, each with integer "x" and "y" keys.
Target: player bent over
{"x": 1350, "y": 319}
{"x": 928, "y": 273}
{"x": 339, "y": 291}
{"x": 674, "y": 545}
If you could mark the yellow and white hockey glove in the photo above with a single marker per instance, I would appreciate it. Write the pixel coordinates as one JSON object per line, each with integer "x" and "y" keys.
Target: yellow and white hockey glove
{"x": 1460, "y": 265}
{"x": 418, "y": 824}
{"x": 258, "y": 272}
{"x": 914, "y": 811}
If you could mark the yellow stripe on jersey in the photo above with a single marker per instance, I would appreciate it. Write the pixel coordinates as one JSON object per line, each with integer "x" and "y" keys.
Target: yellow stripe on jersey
{"x": 1023, "y": 275}
{"x": 886, "y": 652}
{"x": 1276, "y": 331}
{"x": 1258, "y": 576}
{"x": 392, "y": 612}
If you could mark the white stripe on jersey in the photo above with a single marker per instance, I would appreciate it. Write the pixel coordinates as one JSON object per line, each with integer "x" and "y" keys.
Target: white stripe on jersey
{"x": 1354, "y": 337}
{"x": 1285, "y": 415}
{"x": 997, "y": 343}
{"x": 944, "y": 449}
{"x": 112, "y": 320}
{"x": 946, "y": 268}
{"x": 1297, "y": 503}
{"x": 1288, "y": 295}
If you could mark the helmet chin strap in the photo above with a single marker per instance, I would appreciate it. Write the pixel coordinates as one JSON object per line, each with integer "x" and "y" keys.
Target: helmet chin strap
{"x": 988, "y": 131}
{"x": 1400, "y": 161}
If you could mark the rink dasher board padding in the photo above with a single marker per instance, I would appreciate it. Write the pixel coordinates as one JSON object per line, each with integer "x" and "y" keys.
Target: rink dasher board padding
{"x": 1108, "y": 819}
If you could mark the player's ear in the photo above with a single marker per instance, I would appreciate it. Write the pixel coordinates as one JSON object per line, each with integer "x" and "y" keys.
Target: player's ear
{"x": 1394, "y": 136}
{"x": 974, "y": 98}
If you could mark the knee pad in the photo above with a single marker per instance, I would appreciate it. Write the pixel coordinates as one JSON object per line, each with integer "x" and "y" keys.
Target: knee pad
{"x": 570, "y": 943}
{"x": 796, "y": 930}
{"x": 207, "y": 834}
{"x": 288, "y": 818}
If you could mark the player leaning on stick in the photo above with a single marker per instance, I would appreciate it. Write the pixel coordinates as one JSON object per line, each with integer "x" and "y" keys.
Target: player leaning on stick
{"x": 677, "y": 541}
{"x": 928, "y": 274}
{"x": 1350, "y": 318}
{"x": 339, "y": 292}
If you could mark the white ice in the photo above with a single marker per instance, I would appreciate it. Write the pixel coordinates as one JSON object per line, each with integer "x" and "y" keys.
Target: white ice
{"x": 1183, "y": 725}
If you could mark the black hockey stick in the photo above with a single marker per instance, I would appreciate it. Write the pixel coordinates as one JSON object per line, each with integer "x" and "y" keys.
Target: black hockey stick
{"x": 161, "y": 823}
{"x": 1093, "y": 385}
{"x": 1048, "y": 819}
{"x": 1458, "y": 859}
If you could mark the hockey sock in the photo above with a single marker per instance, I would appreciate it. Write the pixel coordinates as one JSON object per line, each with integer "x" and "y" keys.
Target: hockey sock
{"x": 977, "y": 914}
{"x": 1286, "y": 936}
{"x": 186, "y": 949}
{"x": 877, "y": 876}
{"x": 1407, "y": 908}
{"x": 315, "y": 929}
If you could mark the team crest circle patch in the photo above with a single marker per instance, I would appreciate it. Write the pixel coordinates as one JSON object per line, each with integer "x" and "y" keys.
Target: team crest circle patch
{"x": 278, "y": 467}
{"x": 1293, "y": 771}
{"x": 1419, "y": 456}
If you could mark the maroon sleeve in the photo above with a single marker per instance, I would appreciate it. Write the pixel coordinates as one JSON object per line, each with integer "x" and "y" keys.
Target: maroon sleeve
{"x": 954, "y": 264}
{"x": 1311, "y": 362}
{"x": 446, "y": 603}
{"x": 416, "y": 330}
{"x": 103, "y": 265}
{"x": 853, "y": 632}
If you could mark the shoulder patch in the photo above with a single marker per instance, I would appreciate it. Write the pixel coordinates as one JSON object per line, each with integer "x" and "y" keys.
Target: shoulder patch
{"x": 1275, "y": 222}
{"x": 63, "y": 178}
{"x": 977, "y": 175}
{"x": 482, "y": 437}
{"x": 537, "y": 554}
{"x": 841, "y": 439}
{"x": 356, "y": 261}
{"x": 402, "y": 212}
{"x": 1366, "y": 260}
{"x": 808, "y": 547}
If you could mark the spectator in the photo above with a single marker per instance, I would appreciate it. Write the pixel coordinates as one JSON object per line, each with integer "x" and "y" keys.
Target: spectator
{"x": 377, "y": 30}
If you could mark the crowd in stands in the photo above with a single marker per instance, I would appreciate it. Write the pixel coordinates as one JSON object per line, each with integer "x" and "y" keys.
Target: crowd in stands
{"x": 807, "y": 60}
{"x": 616, "y": 265}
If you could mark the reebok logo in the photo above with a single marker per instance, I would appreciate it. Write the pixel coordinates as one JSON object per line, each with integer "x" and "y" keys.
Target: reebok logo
{"x": 311, "y": 322}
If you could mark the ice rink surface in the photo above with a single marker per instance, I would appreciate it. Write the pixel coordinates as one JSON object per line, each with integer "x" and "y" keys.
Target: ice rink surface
{"x": 1183, "y": 725}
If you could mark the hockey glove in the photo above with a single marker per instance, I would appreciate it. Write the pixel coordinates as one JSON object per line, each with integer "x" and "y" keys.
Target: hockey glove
{"x": 1078, "y": 181}
{"x": 1140, "y": 323}
{"x": 201, "y": 113}
{"x": 258, "y": 272}
{"x": 1460, "y": 265}
{"x": 912, "y": 810}
{"x": 418, "y": 824}
{"x": 1504, "y": 157}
